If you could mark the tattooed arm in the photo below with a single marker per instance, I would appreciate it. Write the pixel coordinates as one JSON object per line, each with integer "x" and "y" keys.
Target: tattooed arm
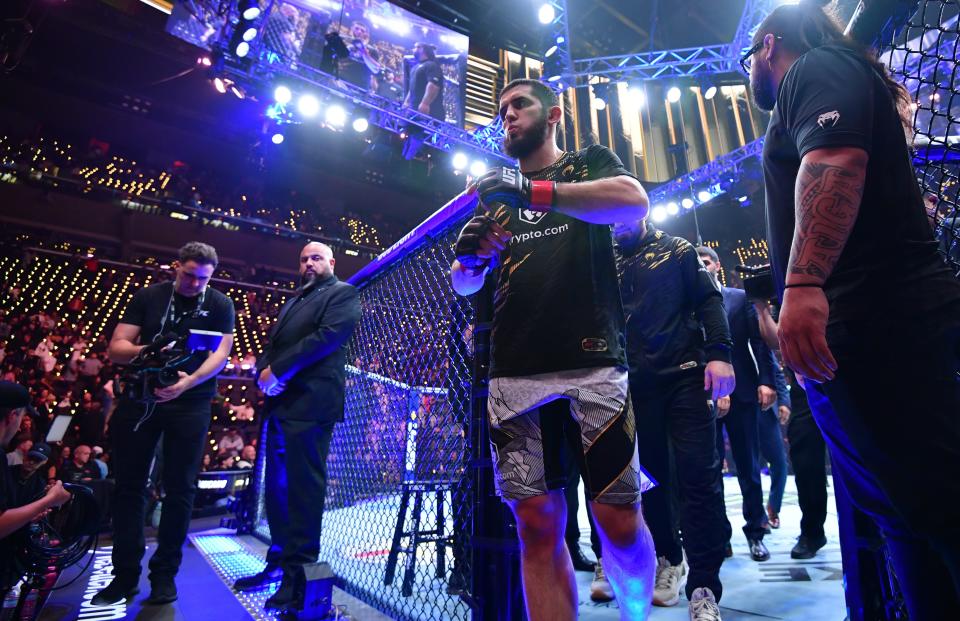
{"x": 828, "y": 193}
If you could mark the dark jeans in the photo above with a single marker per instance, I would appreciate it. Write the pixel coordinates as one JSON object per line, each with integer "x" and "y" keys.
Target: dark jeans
{"x": 808, "y": 454}
{"x": 296, "y": 488}
{"x": 675, "y": 421}
{"x": 891, "y": 420}
{"x": 183, "y": 426}
{"x": 773, "y": 452}
{"x": 572, "y": 532}
{"x": 742, "y": 427}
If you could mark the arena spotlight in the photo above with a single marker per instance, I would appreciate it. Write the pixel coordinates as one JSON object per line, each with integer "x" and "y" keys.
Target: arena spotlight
{"x": 460, "y": 161}
{"x": 636, "y": 98}
{"x": 673, "y": 95}
{"x": 336, "y": 115}
{"x": 710, "y": 92}
{"x": 658, "y": 213}
{"x": 251, "y": 13}
{"x": 243, "y": 48}
{"x": 687, "y": 203}
{"x": 550, "y": 51}
{"x": 308, "y": 106}
{"x": 599, "y": 103}
{"x": 282, "y": 95}
{"x": 546, "y": 14}
{"x": 673, "y": 208}
{"x": 478, "y": 168}
{"x": 220, "y": 85}
{"x": 360, "y": 125}
{"x": 703, "y": 196}
{"x": 277, "y": 138}
{"x": 249, "y": 34}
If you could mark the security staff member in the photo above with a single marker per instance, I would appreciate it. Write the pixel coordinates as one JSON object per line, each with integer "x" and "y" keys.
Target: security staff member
{"x": 181, "y": 415}
{"x": 302, "y": 373}
{"x": 870, "y": 314}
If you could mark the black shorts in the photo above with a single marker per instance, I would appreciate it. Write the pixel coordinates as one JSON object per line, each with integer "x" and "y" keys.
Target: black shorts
{"x": 534, "y": 446}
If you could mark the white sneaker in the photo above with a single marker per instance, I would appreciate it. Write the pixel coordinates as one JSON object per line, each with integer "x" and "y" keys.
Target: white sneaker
{"x": 703, "y": 606}
{"x": 670, "y": 580}
{"x": 600, "y": 589}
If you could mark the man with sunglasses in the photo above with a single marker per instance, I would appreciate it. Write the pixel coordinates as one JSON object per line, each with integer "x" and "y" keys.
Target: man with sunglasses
{"x": 180, "y": 413}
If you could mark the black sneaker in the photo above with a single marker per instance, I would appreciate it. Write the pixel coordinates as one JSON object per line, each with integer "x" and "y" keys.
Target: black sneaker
{"x": 119, "y": 589}
{"x": 162, "y": 591}
{"x": 270, "y": 573}
{"x": 758, "y": 551}
{"x": 807, "y": 547}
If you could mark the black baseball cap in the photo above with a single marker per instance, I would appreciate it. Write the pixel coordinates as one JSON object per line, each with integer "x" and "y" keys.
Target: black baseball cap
{"x": 13, "y": 396}
{"x": 40, "y": 451}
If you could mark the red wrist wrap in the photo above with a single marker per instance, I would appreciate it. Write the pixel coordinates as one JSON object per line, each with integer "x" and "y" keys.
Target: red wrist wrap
{"x": 542, "y": 194}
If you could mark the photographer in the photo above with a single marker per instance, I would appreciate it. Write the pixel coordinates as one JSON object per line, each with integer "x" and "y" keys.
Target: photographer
{"x": 157, "y": 315}
{"x": 14, "y": 398}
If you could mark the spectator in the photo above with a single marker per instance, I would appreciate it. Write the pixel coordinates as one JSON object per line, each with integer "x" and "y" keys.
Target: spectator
{"x": 53, "y": 472}
{"x": 98, "y": 459}
{"x": 28, "y": 476}
{"x": 248, "y": 457}
{"x": 79, "y": 469}
{"x": 22, "y": 445}
{"x": 205, "y": 464}
{"x": 231, "y": 442}
{"x": 227, "y": 463}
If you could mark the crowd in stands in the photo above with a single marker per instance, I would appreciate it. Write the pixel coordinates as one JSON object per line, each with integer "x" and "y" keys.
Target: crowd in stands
{"x": 92, "y": 169}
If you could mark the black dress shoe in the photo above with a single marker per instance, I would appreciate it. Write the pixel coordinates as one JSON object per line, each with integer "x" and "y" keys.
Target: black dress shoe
{"x": 289, "y": 597}
{"x": 119, "y": 589}
{"x": 456, "y": 584}
{"x": 270, "y": 573}
{"x": 807, "y": 547}
{"x": 581, "y": 562}
{"x": 162, "y": 591}
{"x": 758, "y": 551}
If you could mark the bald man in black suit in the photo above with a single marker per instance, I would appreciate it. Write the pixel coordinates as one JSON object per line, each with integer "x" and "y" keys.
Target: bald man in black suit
{"x": 301, "y": 372}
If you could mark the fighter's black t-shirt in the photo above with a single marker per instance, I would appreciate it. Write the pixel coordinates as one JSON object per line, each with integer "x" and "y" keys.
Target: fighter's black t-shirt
{"x": 147, "y": 309}
{"x": 427, "y": 72}
{"x": 557, "y": 300}
{"x": 889, "y": 266}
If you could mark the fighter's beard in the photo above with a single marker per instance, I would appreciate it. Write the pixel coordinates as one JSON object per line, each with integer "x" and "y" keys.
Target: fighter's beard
{"x": 527, "y": 142}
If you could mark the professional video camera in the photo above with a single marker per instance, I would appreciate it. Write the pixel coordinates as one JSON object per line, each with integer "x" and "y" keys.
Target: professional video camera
{"x": 157, "y": 364}
{"x": 758, "y": 282}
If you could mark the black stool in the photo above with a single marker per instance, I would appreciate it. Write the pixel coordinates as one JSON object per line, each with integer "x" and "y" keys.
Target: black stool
{"x": 417, "y": 536}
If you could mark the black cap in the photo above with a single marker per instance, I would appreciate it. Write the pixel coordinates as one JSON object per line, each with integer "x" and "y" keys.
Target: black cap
{"x": 40, "y": 451}
{"x": 13, "y": 396}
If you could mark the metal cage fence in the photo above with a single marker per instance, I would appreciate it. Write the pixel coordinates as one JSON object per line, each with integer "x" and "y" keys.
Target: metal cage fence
{"x": 399, "y": 504}
{"x": 923, "y": 57}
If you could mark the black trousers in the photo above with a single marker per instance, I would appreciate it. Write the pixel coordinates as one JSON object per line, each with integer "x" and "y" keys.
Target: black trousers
{"x": 891, "y": 420}
{"x": 183, "y": 426}
{"x": 572, "y": 531}
{"x": 296, "y": 488}
{"x": 808, "y": 454}
{"x": 742, "y": 425}
{"x": 676, "y": 432}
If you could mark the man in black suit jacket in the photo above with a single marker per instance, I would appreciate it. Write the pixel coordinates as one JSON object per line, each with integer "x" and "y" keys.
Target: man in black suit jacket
{"x": 301, "y": 371}
{"x": 753, "y": 366}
